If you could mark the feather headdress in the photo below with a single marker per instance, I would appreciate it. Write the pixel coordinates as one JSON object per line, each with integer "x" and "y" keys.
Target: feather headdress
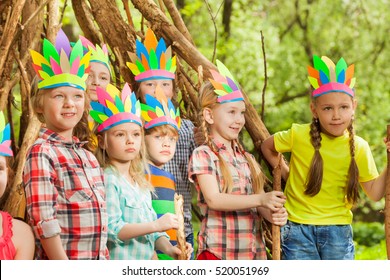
{"x": 159, "y": 110}
{"x": 5, "y": 137}
{"x": 153, "y": 60}
{"x": 115, "y": 107}
{"x": 61, "y": 64}
{"x": 327, "y": 77}
{"x": 98, "y": 54}
{"x": 225, "y": 86}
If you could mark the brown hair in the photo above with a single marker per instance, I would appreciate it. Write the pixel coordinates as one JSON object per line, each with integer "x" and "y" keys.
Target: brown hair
{"x": 315, "y": 175}
{"x": 208, "y": 99}
{"x": 81, "y": 130}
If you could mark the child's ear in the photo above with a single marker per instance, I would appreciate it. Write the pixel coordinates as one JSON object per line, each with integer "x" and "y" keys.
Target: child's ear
{"x": 208, "y": 115}
{"x": 101, "y": 143}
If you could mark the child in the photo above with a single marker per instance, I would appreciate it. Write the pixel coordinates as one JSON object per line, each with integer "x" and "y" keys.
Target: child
{"x": 134, "y": 230}
{"x": 100, "y": 71}
{"x": 99, "y": 76}
{"x": 16, "y": 237}
{"x": 328, "y": 161}
{"x": 64, "y": 183}
{"x": 153, "y": 65}
{"x": 228, "y": 179}
{"x": 162, "y": 123}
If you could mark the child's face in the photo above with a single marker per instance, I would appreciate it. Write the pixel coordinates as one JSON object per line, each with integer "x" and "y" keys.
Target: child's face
{"x": 63, "y": 108}
{"x": 3, "y": 175}
{"x": 334, "y": 111}
{"x": 149, "y": 87}
{"x": 161, "y": 148}
{"x": 99, "y": 76}
{"x": 226, "y": 120}
{"x": 122, "y": 142}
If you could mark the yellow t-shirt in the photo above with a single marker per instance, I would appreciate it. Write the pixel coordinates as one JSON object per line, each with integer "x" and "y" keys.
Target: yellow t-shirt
{"x": 329, "y": 206}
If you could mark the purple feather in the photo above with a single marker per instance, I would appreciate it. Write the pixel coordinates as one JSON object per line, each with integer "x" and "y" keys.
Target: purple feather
{"x": 232, "y": 84}
{"x": 62, "y": 42}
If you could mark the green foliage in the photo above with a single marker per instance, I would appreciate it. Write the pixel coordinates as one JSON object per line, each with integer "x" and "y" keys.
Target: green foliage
{"x": 368, "y": 234}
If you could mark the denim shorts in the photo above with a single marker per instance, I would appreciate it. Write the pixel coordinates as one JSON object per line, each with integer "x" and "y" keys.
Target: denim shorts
{"x": 311, "y": 242}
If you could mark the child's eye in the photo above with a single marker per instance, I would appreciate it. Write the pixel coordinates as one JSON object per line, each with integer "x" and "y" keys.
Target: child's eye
{"x": 58, "y": 96}
{"x": 137, "y": 134}
{"x": 120, "y": 134}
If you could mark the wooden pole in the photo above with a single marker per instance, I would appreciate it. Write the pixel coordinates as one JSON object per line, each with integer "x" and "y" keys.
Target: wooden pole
{"x": 277, "y": 185}
{"x": 180, "y": 234}
{"x": 387, "y": 200}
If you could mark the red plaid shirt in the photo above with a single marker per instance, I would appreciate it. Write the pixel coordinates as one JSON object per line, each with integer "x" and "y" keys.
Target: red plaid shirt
{"x": 229, "y": 235}
{"x": 65, "y": 196}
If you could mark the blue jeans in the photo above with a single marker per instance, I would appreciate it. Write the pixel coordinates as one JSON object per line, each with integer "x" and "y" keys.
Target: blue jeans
{"x": 190, "y": 239}
{"x": 310, "y": 242}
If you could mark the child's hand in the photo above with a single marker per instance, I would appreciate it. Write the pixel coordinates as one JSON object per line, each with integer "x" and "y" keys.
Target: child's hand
{"x": 189, "y": 250}
{"x": 175, "y": 251}
{"x": 273, "y": 200}
{"x": 279, "y": 217}
{"x": 167, "y": 221}
{"x": 387, "y": 144}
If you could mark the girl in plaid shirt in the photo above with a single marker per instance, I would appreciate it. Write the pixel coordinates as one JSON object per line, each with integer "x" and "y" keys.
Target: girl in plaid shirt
{"x": 134, "y": 230}
{"x": 64, "y": 183}
{"x": 228, "y": 179}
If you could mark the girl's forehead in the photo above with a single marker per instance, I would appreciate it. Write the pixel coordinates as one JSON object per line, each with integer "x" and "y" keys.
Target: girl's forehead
{"x": 233, "y": 105}
{"x": 333, "y": 97}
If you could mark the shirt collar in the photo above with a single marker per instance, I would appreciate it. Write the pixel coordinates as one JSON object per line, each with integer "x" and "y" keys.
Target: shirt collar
{"x": 53, "y": 136}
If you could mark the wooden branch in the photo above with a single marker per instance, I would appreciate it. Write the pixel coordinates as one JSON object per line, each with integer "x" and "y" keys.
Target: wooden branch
{"x": 163, "y": 27}
{"x": 116, "y": 32}
{"x": 53, "y": 24}
{"x": 178, "y": 20}
{"x": 180, "y": 234}
{"x": 277, "y": 184}
{"x": 265, "y": 77}
{"x": 9, "y": 30}
{"x": 85, "y": 20}
{"x": 128, "y": 13}
{"x": 387, "y": 200}
{"x": 16, "y": 203}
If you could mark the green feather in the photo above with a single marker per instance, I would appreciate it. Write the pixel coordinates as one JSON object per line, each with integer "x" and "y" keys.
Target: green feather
{"x": 50, "y": 51}
{"x": 77, "y": 51}
{"x": 140, "y": 66}
{"x": 119, "y": 104}
{"x": 153, "y": 62}
{"x": 47, "y": 69}
{"x": 98, "y": 116}
{"x": 320, "y": 65}
{"x": 81, "y": 71}
{"x": 168, "y": 65}
{"x": 227, "y": 88}
{"x": 159, "y": 112}
{"x": 340, "y": 66}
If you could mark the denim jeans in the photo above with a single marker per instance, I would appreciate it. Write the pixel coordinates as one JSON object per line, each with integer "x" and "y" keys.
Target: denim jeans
{"x": 311, "y": 242}
{"x": 190, "y": 239}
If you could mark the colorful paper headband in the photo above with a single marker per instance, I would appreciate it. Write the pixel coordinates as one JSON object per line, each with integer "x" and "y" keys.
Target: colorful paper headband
{"x": 225, "y": 85}
{"x": 61, "y": 65}
{"x": 327, "y": 77}
{"x": 5, "y": 138}
{"x": 153, "y": 60}
{"x": 115, "y": 107}
{"x": 159, "y": 111}
{"x": 98, "y": 54}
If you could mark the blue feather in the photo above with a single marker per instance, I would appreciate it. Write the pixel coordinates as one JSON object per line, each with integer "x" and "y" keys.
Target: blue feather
{"x": 323, "y": 77}
{"x": 141, "y": 49}
{"x": 341, "y": 77}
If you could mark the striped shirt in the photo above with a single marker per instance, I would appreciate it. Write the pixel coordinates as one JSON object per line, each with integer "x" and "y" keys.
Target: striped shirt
{"x": 128, "y": 204}
{"x": 65, "y": 196}
{"x": 178, "y": 167}
{"x": 229, "y": 235}
{"x": 163, "y": 200}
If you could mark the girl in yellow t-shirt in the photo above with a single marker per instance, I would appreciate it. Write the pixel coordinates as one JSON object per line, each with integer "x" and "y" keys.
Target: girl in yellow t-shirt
{"x": 328, "y": 162}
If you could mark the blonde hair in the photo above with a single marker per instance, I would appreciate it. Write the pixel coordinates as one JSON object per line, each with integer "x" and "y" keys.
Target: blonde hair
{"x": 208, "y": 99}
{"x": 138, "y": 166}
{"x": 315, "y": 175}
{"x": 81, "y": 130}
